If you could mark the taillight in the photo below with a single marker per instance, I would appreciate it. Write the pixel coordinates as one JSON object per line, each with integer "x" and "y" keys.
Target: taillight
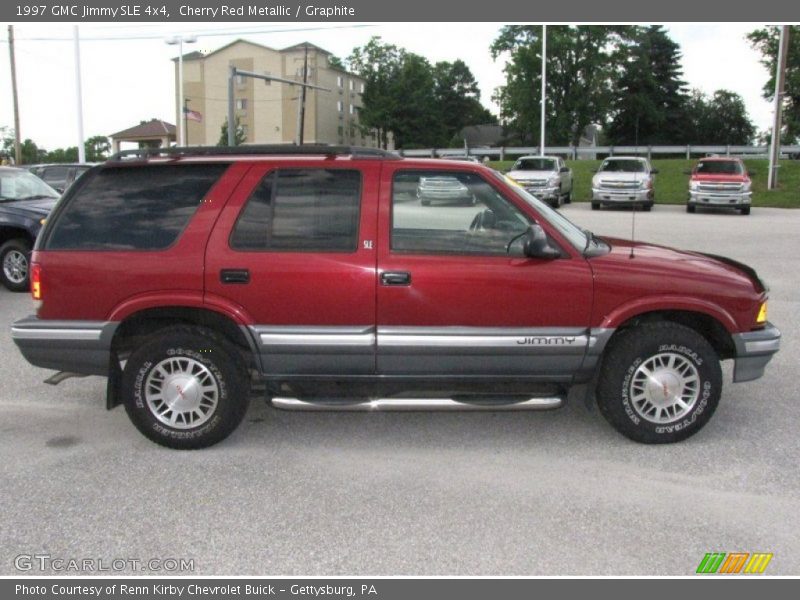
{"x": 36, "y": 281}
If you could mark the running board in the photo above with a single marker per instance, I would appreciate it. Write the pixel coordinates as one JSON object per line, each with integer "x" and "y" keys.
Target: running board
{"x": 417, "y": 404}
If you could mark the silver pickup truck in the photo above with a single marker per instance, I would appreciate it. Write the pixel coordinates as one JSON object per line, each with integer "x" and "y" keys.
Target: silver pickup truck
{"x": 546, "y": 177}
{"x": 624, "y": 181}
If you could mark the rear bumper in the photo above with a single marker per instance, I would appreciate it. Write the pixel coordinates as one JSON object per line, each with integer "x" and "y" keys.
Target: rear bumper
{"x": 754, "y": 350}
{"x": 75, "y": 346}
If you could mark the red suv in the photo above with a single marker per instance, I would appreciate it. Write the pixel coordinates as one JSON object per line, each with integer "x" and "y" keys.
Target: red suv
{"x": 185, "y": 274}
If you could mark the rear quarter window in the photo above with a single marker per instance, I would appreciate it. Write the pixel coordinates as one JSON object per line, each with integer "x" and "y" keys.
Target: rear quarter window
{"x": 133, "y": 208}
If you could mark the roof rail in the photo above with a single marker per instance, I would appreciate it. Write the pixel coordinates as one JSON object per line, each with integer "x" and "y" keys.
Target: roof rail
{"x": 269, "y": 149}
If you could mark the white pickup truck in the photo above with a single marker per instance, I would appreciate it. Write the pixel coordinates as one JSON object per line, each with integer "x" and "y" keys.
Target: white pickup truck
{"x": 546, "y": 177}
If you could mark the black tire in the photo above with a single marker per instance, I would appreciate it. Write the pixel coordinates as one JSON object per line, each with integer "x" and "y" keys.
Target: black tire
{"x": 745, "y": 210}
{"x": 635, "y": 348}
{"x": 691, "y": 208}
{"x": 16, "y": 274}
{"x": 647, "y": 207}
{"x": 568, "y": 198}
{"x": 424, "y": 202}
{"x": 192, "y": 346}
{"x": 595, "y": 206}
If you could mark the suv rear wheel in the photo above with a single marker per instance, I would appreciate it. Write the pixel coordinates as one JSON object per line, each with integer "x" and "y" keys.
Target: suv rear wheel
{"x": 184, "y": 389}
{"x": 660, "y": 383}
{"x": 14, "y": 265}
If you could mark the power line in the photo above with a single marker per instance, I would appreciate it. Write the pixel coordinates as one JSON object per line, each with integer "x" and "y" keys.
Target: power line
{"x": 208, "y": 33}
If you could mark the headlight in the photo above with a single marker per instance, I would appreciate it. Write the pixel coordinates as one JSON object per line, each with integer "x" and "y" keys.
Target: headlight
{"x": 553, "y": 181}
{"x": 694, "y": 186}
{"x": 746, "y": 186}
{"x": 595, "y": 182}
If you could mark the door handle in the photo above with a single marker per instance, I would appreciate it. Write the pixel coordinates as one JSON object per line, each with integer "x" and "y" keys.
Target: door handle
{"x": 234, "y": 276}
{"x": 395, "y": 278}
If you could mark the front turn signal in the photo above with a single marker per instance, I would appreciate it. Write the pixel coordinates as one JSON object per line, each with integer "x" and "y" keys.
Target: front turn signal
{"x": 762, "y": 314}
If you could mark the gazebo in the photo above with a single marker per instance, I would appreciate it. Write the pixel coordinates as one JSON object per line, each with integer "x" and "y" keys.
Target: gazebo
{"x": 154, "y": 133}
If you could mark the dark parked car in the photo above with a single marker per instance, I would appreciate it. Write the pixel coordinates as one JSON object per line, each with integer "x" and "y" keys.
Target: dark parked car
{"x": 25, "y": 201}
{"x": 183, "y": 279}
{"x": 60, "y": 176}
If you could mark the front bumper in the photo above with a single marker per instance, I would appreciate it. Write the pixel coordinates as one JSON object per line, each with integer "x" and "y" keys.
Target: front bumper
{"x": 542, "y": 193}
{"x": 74, "y": 346}
{"x": 615, "y": 196}
{"x": 698, "y": 198}
{"x": 754, "y": 350}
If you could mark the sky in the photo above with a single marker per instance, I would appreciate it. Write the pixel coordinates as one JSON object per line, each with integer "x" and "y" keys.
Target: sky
{"x": 129, "y": 80}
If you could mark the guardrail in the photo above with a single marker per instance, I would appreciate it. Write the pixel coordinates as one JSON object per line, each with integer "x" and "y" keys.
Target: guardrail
{"x": 576, "y": 152}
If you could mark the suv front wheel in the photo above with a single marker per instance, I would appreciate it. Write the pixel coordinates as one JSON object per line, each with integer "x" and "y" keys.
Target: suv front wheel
{"x": 184, "y": 388}
{"x": 660, "y": 383}
{"x": 14, "y": 265}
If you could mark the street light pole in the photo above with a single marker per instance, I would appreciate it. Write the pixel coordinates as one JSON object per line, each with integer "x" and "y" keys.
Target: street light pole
{"x": 780, "y": 78}
{"x": 179, "y": 40}
{"x": 79, "y": 95}
{"x": 544, "y": 87}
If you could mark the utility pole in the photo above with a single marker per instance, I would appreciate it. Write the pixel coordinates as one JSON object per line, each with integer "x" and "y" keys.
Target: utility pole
{"x": 301, "y": 102}
{"x": 17, "y": 147}
{"x": 780, "y": 79}
{"x": 79, "y": 95}
{"x": 186, "y": 119}
{"x": 544, "y": 87}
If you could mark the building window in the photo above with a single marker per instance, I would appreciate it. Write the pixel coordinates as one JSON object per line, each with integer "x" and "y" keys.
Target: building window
{"x": 340, "y": 81}
{"x": 352, "y": 109}
{"x": 340, "y": 131}
{"x": 352, "y": 85}
{"x": 240, "y": 80}
{"x": 340, "y": 106}
{"x": 362, "y": 88}
{"x": 241, "y": 104}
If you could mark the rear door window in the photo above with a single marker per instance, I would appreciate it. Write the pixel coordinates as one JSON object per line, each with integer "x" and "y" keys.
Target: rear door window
{"x": 133, "y": 208}
{"x": 301, "y": 210}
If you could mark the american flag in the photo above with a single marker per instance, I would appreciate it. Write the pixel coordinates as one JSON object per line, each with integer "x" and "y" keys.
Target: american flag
{"x": 193, "y": 115}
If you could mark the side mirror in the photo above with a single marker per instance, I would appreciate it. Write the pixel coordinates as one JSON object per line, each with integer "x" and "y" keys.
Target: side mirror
{"x": 564, "y": 170}
{"x": 595, "y": 170}
{"x": 687, "y": 172}
{"x": 751, "y": 173}
{"x": 536, "y": 245}
{"x": 653, "y": 171}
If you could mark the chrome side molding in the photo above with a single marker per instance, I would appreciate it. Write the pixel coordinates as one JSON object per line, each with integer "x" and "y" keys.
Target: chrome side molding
{"x": 416, "y": 404}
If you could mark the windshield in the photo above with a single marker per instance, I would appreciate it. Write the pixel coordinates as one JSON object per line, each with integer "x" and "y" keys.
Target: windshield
{"x": 719, "y": 167}
{"x": 21, "y": 185}
{"x": 534, "y": 164}
{"x": 618, "y": 165}
{"x": 565, "y": 227}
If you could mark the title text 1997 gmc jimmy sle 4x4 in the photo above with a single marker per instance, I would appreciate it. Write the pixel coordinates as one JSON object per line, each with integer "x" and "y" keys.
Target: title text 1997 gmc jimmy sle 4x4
{"x": 180, "y": 274}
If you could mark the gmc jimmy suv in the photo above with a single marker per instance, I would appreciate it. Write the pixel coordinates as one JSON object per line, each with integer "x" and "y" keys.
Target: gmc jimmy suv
{"x": 184, "y": 274}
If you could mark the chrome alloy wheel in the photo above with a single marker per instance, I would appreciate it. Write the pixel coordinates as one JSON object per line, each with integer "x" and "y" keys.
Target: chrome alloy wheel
{"x": 665, "y": 388}
{"x": 181, "y": 392}
{"x": 15, "y": 266}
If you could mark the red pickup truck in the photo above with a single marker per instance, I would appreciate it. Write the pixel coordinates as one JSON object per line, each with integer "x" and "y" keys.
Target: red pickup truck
{"x": 184, "y": 274}
{"x": 720, "y": 182}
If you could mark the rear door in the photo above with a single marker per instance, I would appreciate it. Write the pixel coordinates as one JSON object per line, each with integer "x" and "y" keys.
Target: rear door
{"x": 293, "y": 253}
{"x": 456, "y": 295}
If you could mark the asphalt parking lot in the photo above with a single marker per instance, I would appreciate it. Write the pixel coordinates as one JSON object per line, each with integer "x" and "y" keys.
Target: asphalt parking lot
{"x": 555, "y": 493}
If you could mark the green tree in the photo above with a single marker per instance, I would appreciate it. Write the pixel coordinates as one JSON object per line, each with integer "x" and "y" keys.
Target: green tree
{"x": 457, "y": 100}
{"x": 238, "y": 136}
{"x": 379, "y": 64}
{"x": 582, "y": 66}
{"x": 765, "y": 40}
{"x": 649, "y": 105}
{"x": 31, "y": 153}
{"x": 719, "y": 119}
{"x": 97, "y": 148}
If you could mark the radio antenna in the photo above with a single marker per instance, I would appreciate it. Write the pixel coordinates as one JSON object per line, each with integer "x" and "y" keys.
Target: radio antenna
{"x": 635, "y": 178}
{"x": 633, "y": 230}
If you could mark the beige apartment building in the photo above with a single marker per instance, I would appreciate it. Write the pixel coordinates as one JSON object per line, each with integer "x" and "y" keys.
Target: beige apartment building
{"x": 267, "y": 111}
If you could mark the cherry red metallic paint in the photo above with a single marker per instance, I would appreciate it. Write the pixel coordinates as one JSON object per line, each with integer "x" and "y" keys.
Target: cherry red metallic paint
{"x": 342, "y": 288}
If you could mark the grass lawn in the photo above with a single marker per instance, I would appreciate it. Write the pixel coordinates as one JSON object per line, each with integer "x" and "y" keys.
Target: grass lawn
{"x": 672, "y": 186}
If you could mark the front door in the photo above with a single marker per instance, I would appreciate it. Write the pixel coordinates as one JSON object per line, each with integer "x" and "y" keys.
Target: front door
{"x": 293, "y": 251}
{"x": 457, "y": 296}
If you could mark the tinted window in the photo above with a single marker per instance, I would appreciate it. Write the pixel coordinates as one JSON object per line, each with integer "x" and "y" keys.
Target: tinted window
{"x": 301, "y": 210}
{"x": 133, "y": 208}
{"x": 453, "y": 212}
{"x": 534, "y": 164}
{"x": 622, "y": 166}
{"x": 55, "y": 174}
{"x": 720, "y": 167}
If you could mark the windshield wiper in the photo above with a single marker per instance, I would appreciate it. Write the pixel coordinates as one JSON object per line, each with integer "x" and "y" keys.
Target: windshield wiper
{"x": 37, "y": 197}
